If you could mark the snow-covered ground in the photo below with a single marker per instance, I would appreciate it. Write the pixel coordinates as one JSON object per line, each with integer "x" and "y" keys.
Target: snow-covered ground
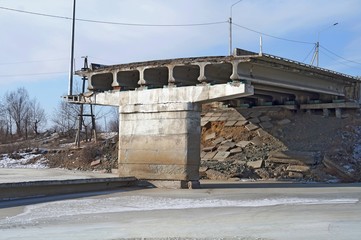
{"x": 24, "y": 160}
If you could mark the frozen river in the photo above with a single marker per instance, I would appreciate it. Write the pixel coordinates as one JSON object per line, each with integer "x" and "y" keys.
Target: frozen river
{"x": 235, "y": 211}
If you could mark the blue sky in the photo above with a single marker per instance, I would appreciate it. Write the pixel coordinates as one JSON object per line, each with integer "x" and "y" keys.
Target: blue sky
{"x": 35, "y": 50}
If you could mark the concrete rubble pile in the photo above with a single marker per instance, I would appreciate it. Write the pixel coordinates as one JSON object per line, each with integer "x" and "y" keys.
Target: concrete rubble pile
{"x": 254, "y": 144}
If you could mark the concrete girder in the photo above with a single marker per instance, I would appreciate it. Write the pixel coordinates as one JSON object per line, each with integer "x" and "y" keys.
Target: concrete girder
{"x": 127, "y": 80}
{"x": 299, "y": 96}
{"x": 186, "y": 75}
{"x": 101, "y": 82}
{"x": 289, "y": 79}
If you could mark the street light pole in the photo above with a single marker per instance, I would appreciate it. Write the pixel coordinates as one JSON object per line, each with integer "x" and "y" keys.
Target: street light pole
{"x": 71, "y": 68}
{"x": 230, "y": 27}
{"x": 317, "y": 48}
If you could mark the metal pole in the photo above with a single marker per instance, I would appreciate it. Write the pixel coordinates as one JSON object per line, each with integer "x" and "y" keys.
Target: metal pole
{"x": 71, "y": 69}
{"x": 317, "y": 53}
{"x": 317, "y": 49}
{"x": 230, "y": 27}
{"x": 230, "y": 36}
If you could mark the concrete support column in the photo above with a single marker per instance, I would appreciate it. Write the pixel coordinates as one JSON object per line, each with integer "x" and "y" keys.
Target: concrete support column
{"x": 326, "y": 112}
{"x": 160, "y": 143}
{"x": 115, "y": 84}
{"x": 338, "y": 112}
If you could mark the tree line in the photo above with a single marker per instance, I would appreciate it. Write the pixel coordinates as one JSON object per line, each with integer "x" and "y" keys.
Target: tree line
{"x": 20, "y": 115}
{"x": 23, "y": 117}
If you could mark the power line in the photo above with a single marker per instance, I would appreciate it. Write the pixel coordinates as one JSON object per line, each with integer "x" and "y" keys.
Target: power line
{"x": 347, "y": 60}
{"x": 33, "y": 61}
{"x": 115, "y": 23}
{"x": 32, "y": 74}
{"x": 334, "y": 58}
{"x": 312, "y": 50}
{"x": 269, "y": 35}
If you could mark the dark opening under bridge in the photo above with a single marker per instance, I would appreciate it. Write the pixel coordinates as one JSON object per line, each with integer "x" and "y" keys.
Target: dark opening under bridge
{"x": 160, "y": 102}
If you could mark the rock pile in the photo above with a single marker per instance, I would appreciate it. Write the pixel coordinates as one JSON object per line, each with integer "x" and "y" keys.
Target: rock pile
{"x": 254, "y": 144}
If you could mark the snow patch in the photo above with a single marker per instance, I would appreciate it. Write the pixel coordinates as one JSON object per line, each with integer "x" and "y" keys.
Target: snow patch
{"x": 41, "y": 212}
{"x": 26, "y": 160}
{"x": 107, "y": 135}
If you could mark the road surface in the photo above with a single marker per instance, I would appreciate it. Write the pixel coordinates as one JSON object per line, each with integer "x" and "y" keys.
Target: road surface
{"x": 217, "y": 211}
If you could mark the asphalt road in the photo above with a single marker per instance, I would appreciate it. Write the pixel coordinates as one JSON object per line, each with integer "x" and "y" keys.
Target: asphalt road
{"x": 218, "y": 211}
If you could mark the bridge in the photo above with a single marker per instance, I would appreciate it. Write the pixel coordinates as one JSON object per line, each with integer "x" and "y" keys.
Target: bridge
{"x": 160, "y": 103}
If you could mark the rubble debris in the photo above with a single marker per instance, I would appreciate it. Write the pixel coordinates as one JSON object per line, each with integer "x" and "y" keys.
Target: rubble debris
{"x": 282, "y": 145}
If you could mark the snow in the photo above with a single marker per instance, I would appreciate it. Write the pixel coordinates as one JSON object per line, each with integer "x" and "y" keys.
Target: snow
{"x": 59, "y": 209}
{"x": 107, "y": 135}
{"x": 26, "y": 161}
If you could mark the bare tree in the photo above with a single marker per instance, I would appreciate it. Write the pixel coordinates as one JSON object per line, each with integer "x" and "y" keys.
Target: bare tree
{"x": 17, "y": 106}
{"x": 65, "y": 117}
{"x": 37, "y": 116}
{"x": 114, "y": 121}
{"x": 3, "y": 122}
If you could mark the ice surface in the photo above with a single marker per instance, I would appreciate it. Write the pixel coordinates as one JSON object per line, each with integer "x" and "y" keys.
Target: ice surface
{"x": 41, "y": 212}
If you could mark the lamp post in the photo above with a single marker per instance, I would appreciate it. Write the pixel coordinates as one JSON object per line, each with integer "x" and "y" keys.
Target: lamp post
{"x": 71, "y": 68}
{"x": 317, "y": 48}
{"x": 230, "y": 27}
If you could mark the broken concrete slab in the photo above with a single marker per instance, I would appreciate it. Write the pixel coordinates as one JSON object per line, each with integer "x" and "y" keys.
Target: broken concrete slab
{"x": 293, "y": 158}
{"x": 298, "y": 168}
{"x": 265, "y": 119}
{"x": 257, "y": 141}
{"x": 209, "y": 148}
{"x": 251, "y": 127}
{"x": 223, "y": 119}
{"x": 210, "y": 136}
{"x": 243, "y": 144}
{"x": 254, "y": 120}
{"x": 218, "y": 140}
{"x": 203, "y": 154}
{"x": 266, "y": 125}
{"x": 221, "y": 156}
{"x": 95, "y": 163}
{"x": 338, "y": 170}
{"x": 295, "y": 175}
{"x": 230, "y": 144}
{"x": 284, "y": 121}
{"x": 230, "y": 123}
{"x": 255, "y": 164}
{"x": 236, "y": 150}
{"x": 205, "y": 123}
{"x": 213, "y": 119}
{"x": 262, "y": 133}
{"x": 209, "y": 155}
{"x": 241, "y": 123}
{"x": 223, "y": 148}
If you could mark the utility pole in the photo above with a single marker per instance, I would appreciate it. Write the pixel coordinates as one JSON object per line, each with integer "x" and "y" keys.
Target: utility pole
{"x": 81, "y": 115}
{"x": 230, "y": 27}
{"x": 71, "y": 68}
{"x": 316, "y": 55}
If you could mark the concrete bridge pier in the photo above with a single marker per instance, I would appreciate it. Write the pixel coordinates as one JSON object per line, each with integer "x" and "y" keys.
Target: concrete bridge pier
{"x": 160, "y": 130}
{"x": 161, "y": 143}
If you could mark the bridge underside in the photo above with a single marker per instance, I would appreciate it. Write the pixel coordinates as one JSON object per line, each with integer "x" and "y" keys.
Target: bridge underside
{"x": 160, "y": 102}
